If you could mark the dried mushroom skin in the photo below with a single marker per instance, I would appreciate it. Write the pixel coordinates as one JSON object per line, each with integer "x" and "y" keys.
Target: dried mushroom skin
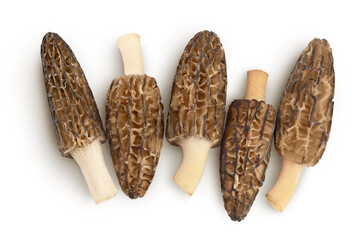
{"x": 72, "y": 106}
{"x": 135, "y": 127}
{"x": 305, "y": 111}
{"x": 198, "y": 97}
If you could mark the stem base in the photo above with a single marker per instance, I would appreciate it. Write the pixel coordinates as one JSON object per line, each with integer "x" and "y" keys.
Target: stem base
{"x": 92, "y": 164}
{"x": 195, "y": 155}
{"x": 280, "y": 195}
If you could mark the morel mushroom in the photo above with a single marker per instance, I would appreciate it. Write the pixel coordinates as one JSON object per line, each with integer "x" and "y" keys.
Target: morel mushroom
{"x": 134, "y": 121}
{"x": 245, "y": 147}
{"x": 197, "y": 108}
{"x": 304, "y": 118}
{"x": 76, "y": 118}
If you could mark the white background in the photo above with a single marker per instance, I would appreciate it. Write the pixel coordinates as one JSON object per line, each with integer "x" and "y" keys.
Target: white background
{"x": 44, "y": 196}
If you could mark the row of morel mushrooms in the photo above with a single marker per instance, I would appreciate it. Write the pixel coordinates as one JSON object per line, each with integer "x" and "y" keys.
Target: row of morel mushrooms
{"x": 197, "y": 113}
{"x": 195, "y": 122}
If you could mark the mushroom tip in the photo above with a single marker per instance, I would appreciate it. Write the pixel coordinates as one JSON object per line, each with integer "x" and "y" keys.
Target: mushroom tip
{"x": 274, "y": 204}
{"x": 319, "y": 41}
{"x": 50, "y": 34}
{"x": 207, "y": 31}
{"x": 212, "y": 33}
{"x": 132, "y": 196}
{"x": 236, "y": 218}
{"x": 134, "y": 193}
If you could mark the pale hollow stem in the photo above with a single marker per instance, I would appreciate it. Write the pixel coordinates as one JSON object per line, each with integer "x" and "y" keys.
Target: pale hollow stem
{"x": 130, "y": 49}
{"x": 256, "y": 85}
{"x": 92, "y": 164}
{"x": 195, "y": 154}
{"x": 280, "y": 195}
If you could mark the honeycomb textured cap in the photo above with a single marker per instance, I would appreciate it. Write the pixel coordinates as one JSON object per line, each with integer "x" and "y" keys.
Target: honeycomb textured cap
{"x": 198, "y": 96}
{"x": 245, "y": 153}
{"x": 305, "y": 111}
{"x": 72, "y": 105}
{"x": 135, "y": 127}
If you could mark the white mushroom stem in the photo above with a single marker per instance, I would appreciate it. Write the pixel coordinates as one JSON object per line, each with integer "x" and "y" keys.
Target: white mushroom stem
{"x": 195, "y": 154}
{"x": 130, "y": 49}
{"x": 92, "y": 164}
{"x": 280, "y": 195}
{"x": 256, "y": 85}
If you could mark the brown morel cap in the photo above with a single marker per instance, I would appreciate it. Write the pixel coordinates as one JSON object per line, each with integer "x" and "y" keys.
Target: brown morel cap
{"x": 198, "y": 97}
{"x": 72, "y": 105}
{"x": 305, "y": 111}
{"x": 135, "y": 127}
